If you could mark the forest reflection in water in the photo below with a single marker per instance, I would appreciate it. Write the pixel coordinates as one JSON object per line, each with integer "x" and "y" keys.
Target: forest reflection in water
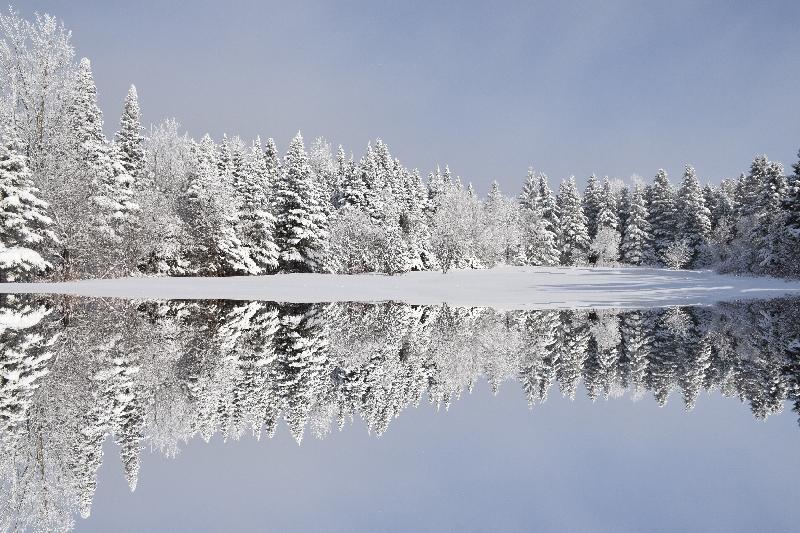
{"x": 155, "y": 374}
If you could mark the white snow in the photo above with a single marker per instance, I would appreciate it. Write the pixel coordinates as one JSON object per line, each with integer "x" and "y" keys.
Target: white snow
{"x": 501, "y": 287}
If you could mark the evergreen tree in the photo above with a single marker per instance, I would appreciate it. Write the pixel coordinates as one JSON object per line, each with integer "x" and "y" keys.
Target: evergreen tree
{"x": 436, "y": 188}
{"x": 538, "y": 240}
{"x": 272, "y": 164}
{"x": 255, "y": 225}
{"x": 129, "y": 138}
{"x": 224, "y": 157}
{"x": 353, "y": 189}
{"x": 605, "y": 244}
{"x": 494, "y": 195}
{"x": 693, "y": 217}
{"x": 607, "y": 212}
{"x": 573, "y": 237}
{"x": 623, "y": 198}
{"x": 548, "y": 204}
{"x": 662, "y": 214}
{"x": 791, "y": 206}
{"x": 530, "y": 191}
{"x": 636, "y": 240}
{"x": 300, "y": 228}
{"x": 591, "y": 204}
{"x": 113, "y": 214}
{"x": 24, "y": 225}
{"x": 210, "y": 210}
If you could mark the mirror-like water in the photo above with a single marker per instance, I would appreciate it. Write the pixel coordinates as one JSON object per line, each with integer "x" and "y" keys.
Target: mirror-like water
{"x": 88, "y": 381}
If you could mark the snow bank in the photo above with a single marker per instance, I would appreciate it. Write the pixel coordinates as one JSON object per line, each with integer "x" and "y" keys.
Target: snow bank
{"x": 503, "y": 288}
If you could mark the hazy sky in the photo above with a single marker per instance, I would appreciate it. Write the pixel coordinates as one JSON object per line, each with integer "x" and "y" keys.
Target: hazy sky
{"x": 609, "y": 87}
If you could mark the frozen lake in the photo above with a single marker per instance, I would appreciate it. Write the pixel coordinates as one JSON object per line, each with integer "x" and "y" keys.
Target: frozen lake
{"x": 506, "y": 287}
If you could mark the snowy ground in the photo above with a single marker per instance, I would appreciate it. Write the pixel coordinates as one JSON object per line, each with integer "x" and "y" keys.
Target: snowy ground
{"x": 503, "y": 288}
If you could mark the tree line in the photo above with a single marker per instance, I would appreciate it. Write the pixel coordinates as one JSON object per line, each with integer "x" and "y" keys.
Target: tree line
{"x": 75, "y": 372}
{"x": 75, "y": 204}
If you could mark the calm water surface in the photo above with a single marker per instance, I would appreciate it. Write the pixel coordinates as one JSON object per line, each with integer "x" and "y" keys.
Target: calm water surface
{"x": 256, "y": 416}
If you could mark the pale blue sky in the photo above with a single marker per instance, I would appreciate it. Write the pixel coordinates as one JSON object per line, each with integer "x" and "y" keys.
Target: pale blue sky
{"x": 611, "y": 87}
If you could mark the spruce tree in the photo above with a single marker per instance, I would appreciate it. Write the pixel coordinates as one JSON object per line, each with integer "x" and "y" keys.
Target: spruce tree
{"x": 548, "y": 204}
{"x": 791, "y": 207}
{"x": 24, "y": 224}
{"x": 129, "y": 138}
{"x": 211, "y": 214}
{"x": 530, "y": 191}
{"x": 300, "y": 227}
{"x": 591, "y": 204}
{"x": 661, "y": 214}
{"x": 694, "y": 223}
{"x": 605, "y": 243}
{"x": 113, "y": 213}
{"x": 494, "y": 195}
{"x": 436, "y": 188}
{"x": 607, "y": 212}
{"x": 255, "y": 226}
{"x": 636, "y": 240}
{"x": 539, "y": 245}
{"x": 272, "y": 163}
{"x": 573, "y": 237}
{"x": 623, "y": 198}
{"x": 791, "y": 203}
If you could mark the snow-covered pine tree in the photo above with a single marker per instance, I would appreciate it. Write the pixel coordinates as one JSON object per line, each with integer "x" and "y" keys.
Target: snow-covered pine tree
{"x": 502, "y": 218}
{"x": 662, "y": 213}
{"x": 791, "y": 204}
{"x": 605, "y": 244}
{"x": 323, "y": 173}
{"x": 224, "y": 157}
{"x": 25, "y": 233}
{"x": 413, "y": 222}
{"x": 623, "y": 197}
{"x": 255, "y": 226}
{"x": 591, "y": 204}
{"x": 769, "y": 240}
{"x": 607, "y": 212}
{"x": 129, "y": 138}
{"x": 573, "y": 238}
{"x": 436, "y": 188}
{"x": 353, "y": 190}
{"x": 494, "y": 195}
{"x": 300, "y": 228}
{"x": 636, "y": 240}
{"x": 530, "y": 191}
{"x": 272, "y": 163}
{"x": 772, "y": 190}
{"x": 791, "y": 207}
{"x": 447, "y": 177}
{"x": 113, "y": 214}
{"x": 210, "y": 213}
{"x": 693, "y": 217}
{"x": 548, "y": 203}
{"x": 537, "y": 239}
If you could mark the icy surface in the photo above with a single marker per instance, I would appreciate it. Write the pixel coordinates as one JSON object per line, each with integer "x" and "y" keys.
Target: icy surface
{"x": 502, "y": 288}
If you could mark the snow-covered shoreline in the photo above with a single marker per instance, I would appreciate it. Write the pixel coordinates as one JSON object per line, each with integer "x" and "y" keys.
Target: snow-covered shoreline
{"x": 502, "y": 288}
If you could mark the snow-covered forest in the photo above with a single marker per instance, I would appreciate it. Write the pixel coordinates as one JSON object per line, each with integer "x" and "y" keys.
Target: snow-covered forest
{"x": 76, "y": 204}
{"x": 155, "y": 374}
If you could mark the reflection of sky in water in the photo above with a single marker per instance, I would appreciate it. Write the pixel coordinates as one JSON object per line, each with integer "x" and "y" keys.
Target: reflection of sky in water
{"x": 120, "y": 377}
{"x": 487, "y": 464}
